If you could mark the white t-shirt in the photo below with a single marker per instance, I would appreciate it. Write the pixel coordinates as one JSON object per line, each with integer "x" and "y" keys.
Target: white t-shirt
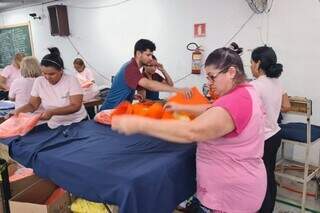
{"x": 90, "y": 92}
{"x": 270, "y": 92}
{"x": 11, "y": 73}
{"x": 85, "y": 75}
{"x": 54, "y": 96}
{"x": 20, "y": 91}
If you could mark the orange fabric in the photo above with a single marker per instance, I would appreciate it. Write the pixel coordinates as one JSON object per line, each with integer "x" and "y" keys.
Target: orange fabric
{"x": 155, "y": 111}
{"x": 167, "y": 115}
{"x": 123, "y": 108}
{"x": 151, "y": 109}
{"x": 58, "y": 193}
{"x": 18, "y": 125}
{"x": 197, "y": 98}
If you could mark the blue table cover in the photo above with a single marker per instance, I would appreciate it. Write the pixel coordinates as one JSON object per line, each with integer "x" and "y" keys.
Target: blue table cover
{"x": 140, "y": 174}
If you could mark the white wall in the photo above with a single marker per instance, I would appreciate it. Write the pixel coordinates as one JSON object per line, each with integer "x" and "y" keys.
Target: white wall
{"x": 106, "y": 36}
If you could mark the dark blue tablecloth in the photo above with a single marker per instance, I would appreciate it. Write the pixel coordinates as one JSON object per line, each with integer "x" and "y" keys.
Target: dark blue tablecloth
{"x": 138, "y": 173}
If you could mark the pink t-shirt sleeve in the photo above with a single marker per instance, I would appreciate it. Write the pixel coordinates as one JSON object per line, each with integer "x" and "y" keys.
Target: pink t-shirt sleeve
{"x": 90, "y": 75}
{"x": 13, "y": 89}
{"x": 6, "y": 72}
{"x": 35, "y": 88}
{"x": 239, "y": 106}
{"x": 75, "y": 87}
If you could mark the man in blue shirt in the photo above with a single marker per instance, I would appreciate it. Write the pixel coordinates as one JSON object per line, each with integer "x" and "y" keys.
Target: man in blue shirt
{"x": 129, "y": 77}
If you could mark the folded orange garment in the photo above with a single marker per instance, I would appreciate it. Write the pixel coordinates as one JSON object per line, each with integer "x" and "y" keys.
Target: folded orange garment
{"x": 152, "y": 110}
{"x": 18, "y": 125}
{"x": 197, "y": 98}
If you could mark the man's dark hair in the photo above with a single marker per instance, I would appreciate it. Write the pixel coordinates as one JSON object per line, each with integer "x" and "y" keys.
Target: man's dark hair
{"x": 143, "y": 45}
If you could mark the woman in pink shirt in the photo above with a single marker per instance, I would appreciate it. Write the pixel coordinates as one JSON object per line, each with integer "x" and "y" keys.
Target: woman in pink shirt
{"x": 231, "y": 176}
{"x": 20, "y": 90}
{"x": 9, "y": 74}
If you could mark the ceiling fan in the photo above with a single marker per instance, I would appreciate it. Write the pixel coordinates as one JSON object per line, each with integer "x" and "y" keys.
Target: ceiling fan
{"x": 258, "y": 6}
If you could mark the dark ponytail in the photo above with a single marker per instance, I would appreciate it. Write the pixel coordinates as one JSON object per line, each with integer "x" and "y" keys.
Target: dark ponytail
{"x": 268, "y": 61}
{"x": 53, "y": 59}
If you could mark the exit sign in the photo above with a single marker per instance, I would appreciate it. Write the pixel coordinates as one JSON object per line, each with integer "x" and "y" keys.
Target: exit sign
{"x": 200, "y": 30}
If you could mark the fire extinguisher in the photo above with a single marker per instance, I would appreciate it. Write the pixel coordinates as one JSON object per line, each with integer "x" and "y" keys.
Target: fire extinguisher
{"x": 196, "y": 57}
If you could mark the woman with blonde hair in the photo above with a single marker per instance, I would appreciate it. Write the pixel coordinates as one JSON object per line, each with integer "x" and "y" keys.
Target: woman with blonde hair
{"x": 20, "y": 90}
{"x": 9, "y": 74}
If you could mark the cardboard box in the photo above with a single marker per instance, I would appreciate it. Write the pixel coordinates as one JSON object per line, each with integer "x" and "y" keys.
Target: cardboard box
{"x": 33, "y": 198}
{"x": 20, "y": 185}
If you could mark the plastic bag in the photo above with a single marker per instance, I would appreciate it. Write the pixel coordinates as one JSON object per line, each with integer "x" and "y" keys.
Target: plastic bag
{"x": 84, "y": 206}
{"x": 197, "y": 98}
{"x": 18, "y": 125}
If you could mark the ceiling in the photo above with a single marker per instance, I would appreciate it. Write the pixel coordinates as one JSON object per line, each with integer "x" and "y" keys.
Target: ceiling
{"x": 12, "y": 4}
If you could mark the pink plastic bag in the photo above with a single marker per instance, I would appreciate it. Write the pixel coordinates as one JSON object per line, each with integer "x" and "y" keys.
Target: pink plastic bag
{"x": 18, "y": 125}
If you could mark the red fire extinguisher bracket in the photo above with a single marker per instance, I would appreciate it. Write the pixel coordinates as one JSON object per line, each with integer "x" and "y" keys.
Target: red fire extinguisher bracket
{"x": 196, "y": 57}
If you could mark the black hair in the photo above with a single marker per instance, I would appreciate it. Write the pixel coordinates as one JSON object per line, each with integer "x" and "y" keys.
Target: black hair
{"x": 79, "y": 62}
{"x": 224, "y": 58}
{"x": 235, "y": 47}
{"x": 268, "y": 61}
{"x": 154, "y": 58}
{"x": 143, "y": 45}
{"x": 53, "y": 59}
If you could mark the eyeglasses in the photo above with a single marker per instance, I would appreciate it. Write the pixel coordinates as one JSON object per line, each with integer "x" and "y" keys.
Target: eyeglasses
{"x": 213, "y": 77}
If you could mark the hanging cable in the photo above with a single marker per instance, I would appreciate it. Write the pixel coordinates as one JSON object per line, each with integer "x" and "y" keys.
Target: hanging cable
{"x": 242, "y": 26}
{"x": 99, "y": 7}
{"x": 86, "y": 61}
{"x": 182, "y": 78}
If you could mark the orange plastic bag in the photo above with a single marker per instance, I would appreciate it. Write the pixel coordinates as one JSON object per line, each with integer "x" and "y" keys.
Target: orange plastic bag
{"x": 123, "y": 108}
{"x": 197, "y": 98}
{"x": 18, "y": 125}
{"x": 156, "y": 111}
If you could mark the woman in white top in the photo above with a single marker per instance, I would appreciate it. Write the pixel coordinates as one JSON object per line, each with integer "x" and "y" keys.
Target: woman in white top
{"x": 20, "y": 90}
{"x": 85, "y": 77}
{"x": 60, "y": 94}
{"x": 83, "y": 73}
{"x": 266, "y": 70}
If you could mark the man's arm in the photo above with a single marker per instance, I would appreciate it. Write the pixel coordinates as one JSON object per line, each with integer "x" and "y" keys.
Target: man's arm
{"x": 156, "y": 86}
